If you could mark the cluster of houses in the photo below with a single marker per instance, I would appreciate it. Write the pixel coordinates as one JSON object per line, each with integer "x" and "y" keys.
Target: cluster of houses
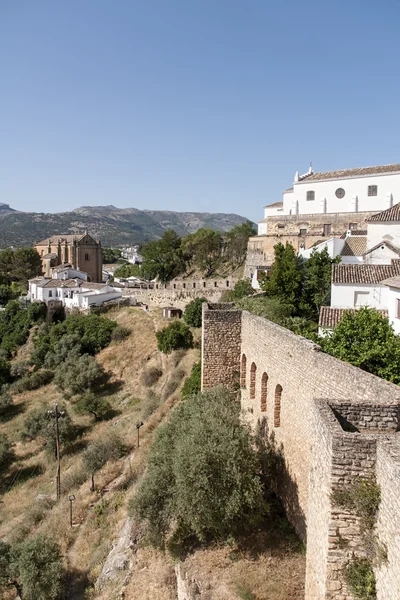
{"x": 355, "y": 214}
{"x": 70, "y": 288}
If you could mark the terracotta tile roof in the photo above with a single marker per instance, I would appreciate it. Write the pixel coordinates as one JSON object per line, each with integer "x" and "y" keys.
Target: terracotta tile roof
{"x": 354, "y": 232}
{"x": 329, "y": 317}
{"x": 387, "y": 244}
{"x": 364, "y": 273}
{"x": 274, "y": 205}
{"x": 392, "y": 282}
{"x": 63, "y": 283}
{"x": 54, "y": 239}
{"x": 352, "y": 173}
{"x": 354, "y": 246}
{"x": 390, "y": 214}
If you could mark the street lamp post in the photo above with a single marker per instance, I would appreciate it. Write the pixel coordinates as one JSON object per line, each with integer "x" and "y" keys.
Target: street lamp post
{"x": 71, "y": 499}
{"x": 57, "y": 414}
{"x": 138, "y": 426}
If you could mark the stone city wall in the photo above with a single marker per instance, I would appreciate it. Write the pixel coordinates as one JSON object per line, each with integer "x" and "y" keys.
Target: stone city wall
{"x": 179, "y": 292}
{"x": 282, "y": 376}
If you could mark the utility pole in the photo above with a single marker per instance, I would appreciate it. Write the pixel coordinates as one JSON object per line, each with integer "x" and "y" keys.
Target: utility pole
{"x": 57, "y": 414}
{"x": 138, "y": 426}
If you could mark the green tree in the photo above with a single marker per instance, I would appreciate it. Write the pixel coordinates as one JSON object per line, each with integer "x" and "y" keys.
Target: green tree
{"x": 5, "y": 401}
{"x": 317, "y": 282}
{"x": 286, "y": 277}
{"x": 6, "y": 452}
{"x": 192, "y": 384}
{"x": 110, "y": 255}
{"x": 193, "y": 312}
{"x": 203, "y": 249}
{"x": 173, "y": 337}
{"x": 36, "y": 566}
{"x": 26, "y": 264}
{"x": 128, "y": 271}
{"x": 101, "y": 451}
{"x": 5, "y": 372}
{"x": 90, "y": 403}
{"x": 40, "y": 424}
{"x": 272, "y": 308}
{"x": 78, "y": 375}
{"x": 5, "y": 294}
{"x": 366, "y": 339}
{"x": 163, "y": 258}
{"x": 202, "y": 473}
{"x": 236, "y": 242}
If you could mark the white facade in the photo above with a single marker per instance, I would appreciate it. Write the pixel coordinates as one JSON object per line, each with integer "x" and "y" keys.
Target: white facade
{"x": 348, "y": 191}
{"x": 72, "y": 293}
{"x": 394, "y": 307}
{"x": 383, "y": 232}
{"x": 349, "y": 295}
{"x": 84, "y": 299}
{"x": 69, "y": 273}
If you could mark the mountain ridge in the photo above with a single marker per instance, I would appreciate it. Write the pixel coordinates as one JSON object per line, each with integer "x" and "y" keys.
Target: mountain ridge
{"x": 114, "y": 226}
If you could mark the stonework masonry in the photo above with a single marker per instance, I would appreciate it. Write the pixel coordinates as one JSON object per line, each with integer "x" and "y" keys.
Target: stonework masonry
{"x": 300, "y": 231}
{"x": 334, "y": 421}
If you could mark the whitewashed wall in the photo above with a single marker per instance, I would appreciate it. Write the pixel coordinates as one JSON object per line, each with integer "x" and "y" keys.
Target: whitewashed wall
{"x": 381, "y": 256}
{"x": 383, "y": 231}
{"x": 344, "y": 295}
{"x": 326, "y": 201}
{"x": 393, "y": 297}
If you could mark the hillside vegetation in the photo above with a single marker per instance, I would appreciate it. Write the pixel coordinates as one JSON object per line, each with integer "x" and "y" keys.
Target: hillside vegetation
{"x": 102, "y": 466}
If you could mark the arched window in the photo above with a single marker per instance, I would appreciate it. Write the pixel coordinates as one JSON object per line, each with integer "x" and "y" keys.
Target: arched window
{"x": 253, "y": 371}
{"x": 264, "y": 384}
{"x": 243, "y": 372}
{"x": 277, "y": 406}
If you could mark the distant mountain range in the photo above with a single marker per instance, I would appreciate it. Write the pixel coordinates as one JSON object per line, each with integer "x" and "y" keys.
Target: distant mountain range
{"x": 114, "y": 226}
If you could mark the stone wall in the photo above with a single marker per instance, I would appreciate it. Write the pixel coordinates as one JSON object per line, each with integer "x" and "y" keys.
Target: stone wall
{"x": 180, "y": 292}
{"x": 327, "y": 414}
{"x": 388, "y": 524}
{"x": 286, "y": 228}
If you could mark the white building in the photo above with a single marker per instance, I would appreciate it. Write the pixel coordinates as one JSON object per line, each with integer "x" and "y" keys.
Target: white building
{"x": 72, "y": 293}
{"x": 375, "y": 282}
{"x": 349, "y": 191}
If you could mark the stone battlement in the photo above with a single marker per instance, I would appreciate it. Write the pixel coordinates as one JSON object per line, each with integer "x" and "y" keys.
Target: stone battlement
{"x": 334, "y": 421}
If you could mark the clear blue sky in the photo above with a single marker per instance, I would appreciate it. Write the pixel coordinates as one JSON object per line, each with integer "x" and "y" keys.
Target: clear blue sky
{"x": 208, "y": 105}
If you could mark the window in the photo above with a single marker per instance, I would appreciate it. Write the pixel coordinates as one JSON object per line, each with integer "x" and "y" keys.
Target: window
{"x": 398, "y": 308}
{"x": 372, "y": 190}
{"x": 361, "y": 298}
{"x": 340, "y": 193}
{"x": 302, "y": 232}
{"x": 253, "y": 371}
{"x": 50, "y": 294}
{"x": 353, "y": 226}
{"x": 194, "y": 284}
{"x": 243, "y": 372}
{"x": 311, "y": 195}
{"x": 86, "y": 256}
{"x": 327, "y": 229}
{"x": 281, "y": 226}
{"x": 277, "y": 406}
{"x": 227, "y": 284}
{"x": 264, "y": 383}
{"x": 204, "y": 284}
{"x": 184, "y": 286}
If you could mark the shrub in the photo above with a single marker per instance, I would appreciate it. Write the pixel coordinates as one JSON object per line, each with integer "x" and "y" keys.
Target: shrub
{"x": 5, "y": 372}
{"x": 171, "y": 387}
{"x": 98, "y": 406}
{"x": 5, "y": 402}
{"x": 101, "y": 451}
{"x": 78, "y": 375}
{"x": 34, "y": 381}
{"x": 174, "y": 336}
{"x": 363, "y": 496}
{"x": 39, "y": 423}
{"x": 360, "y": 579}
{"x": 6, "y": 452}
{"x": 150, "y": 405}
{"x": 37, "y": 566}
{"x": 192, "y": 384}
{"x": 193, "y": 312}
{"x": 150, "y": 376}
{"x": 68, "y": 347}
{"x": 120, "y": 333}
{"x": 19, "y": 369}
{"x": 202, "y": 473}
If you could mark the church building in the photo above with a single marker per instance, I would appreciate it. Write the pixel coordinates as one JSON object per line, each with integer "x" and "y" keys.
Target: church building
{"x": 320, "y": 206}
{"x": 81, "y": 252}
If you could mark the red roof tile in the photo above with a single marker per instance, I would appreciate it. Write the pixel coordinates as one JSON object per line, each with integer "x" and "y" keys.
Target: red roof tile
{"x": 390, "y": 214}
{"x": 364, "y": 273}
{"x": 329, "y": 316}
